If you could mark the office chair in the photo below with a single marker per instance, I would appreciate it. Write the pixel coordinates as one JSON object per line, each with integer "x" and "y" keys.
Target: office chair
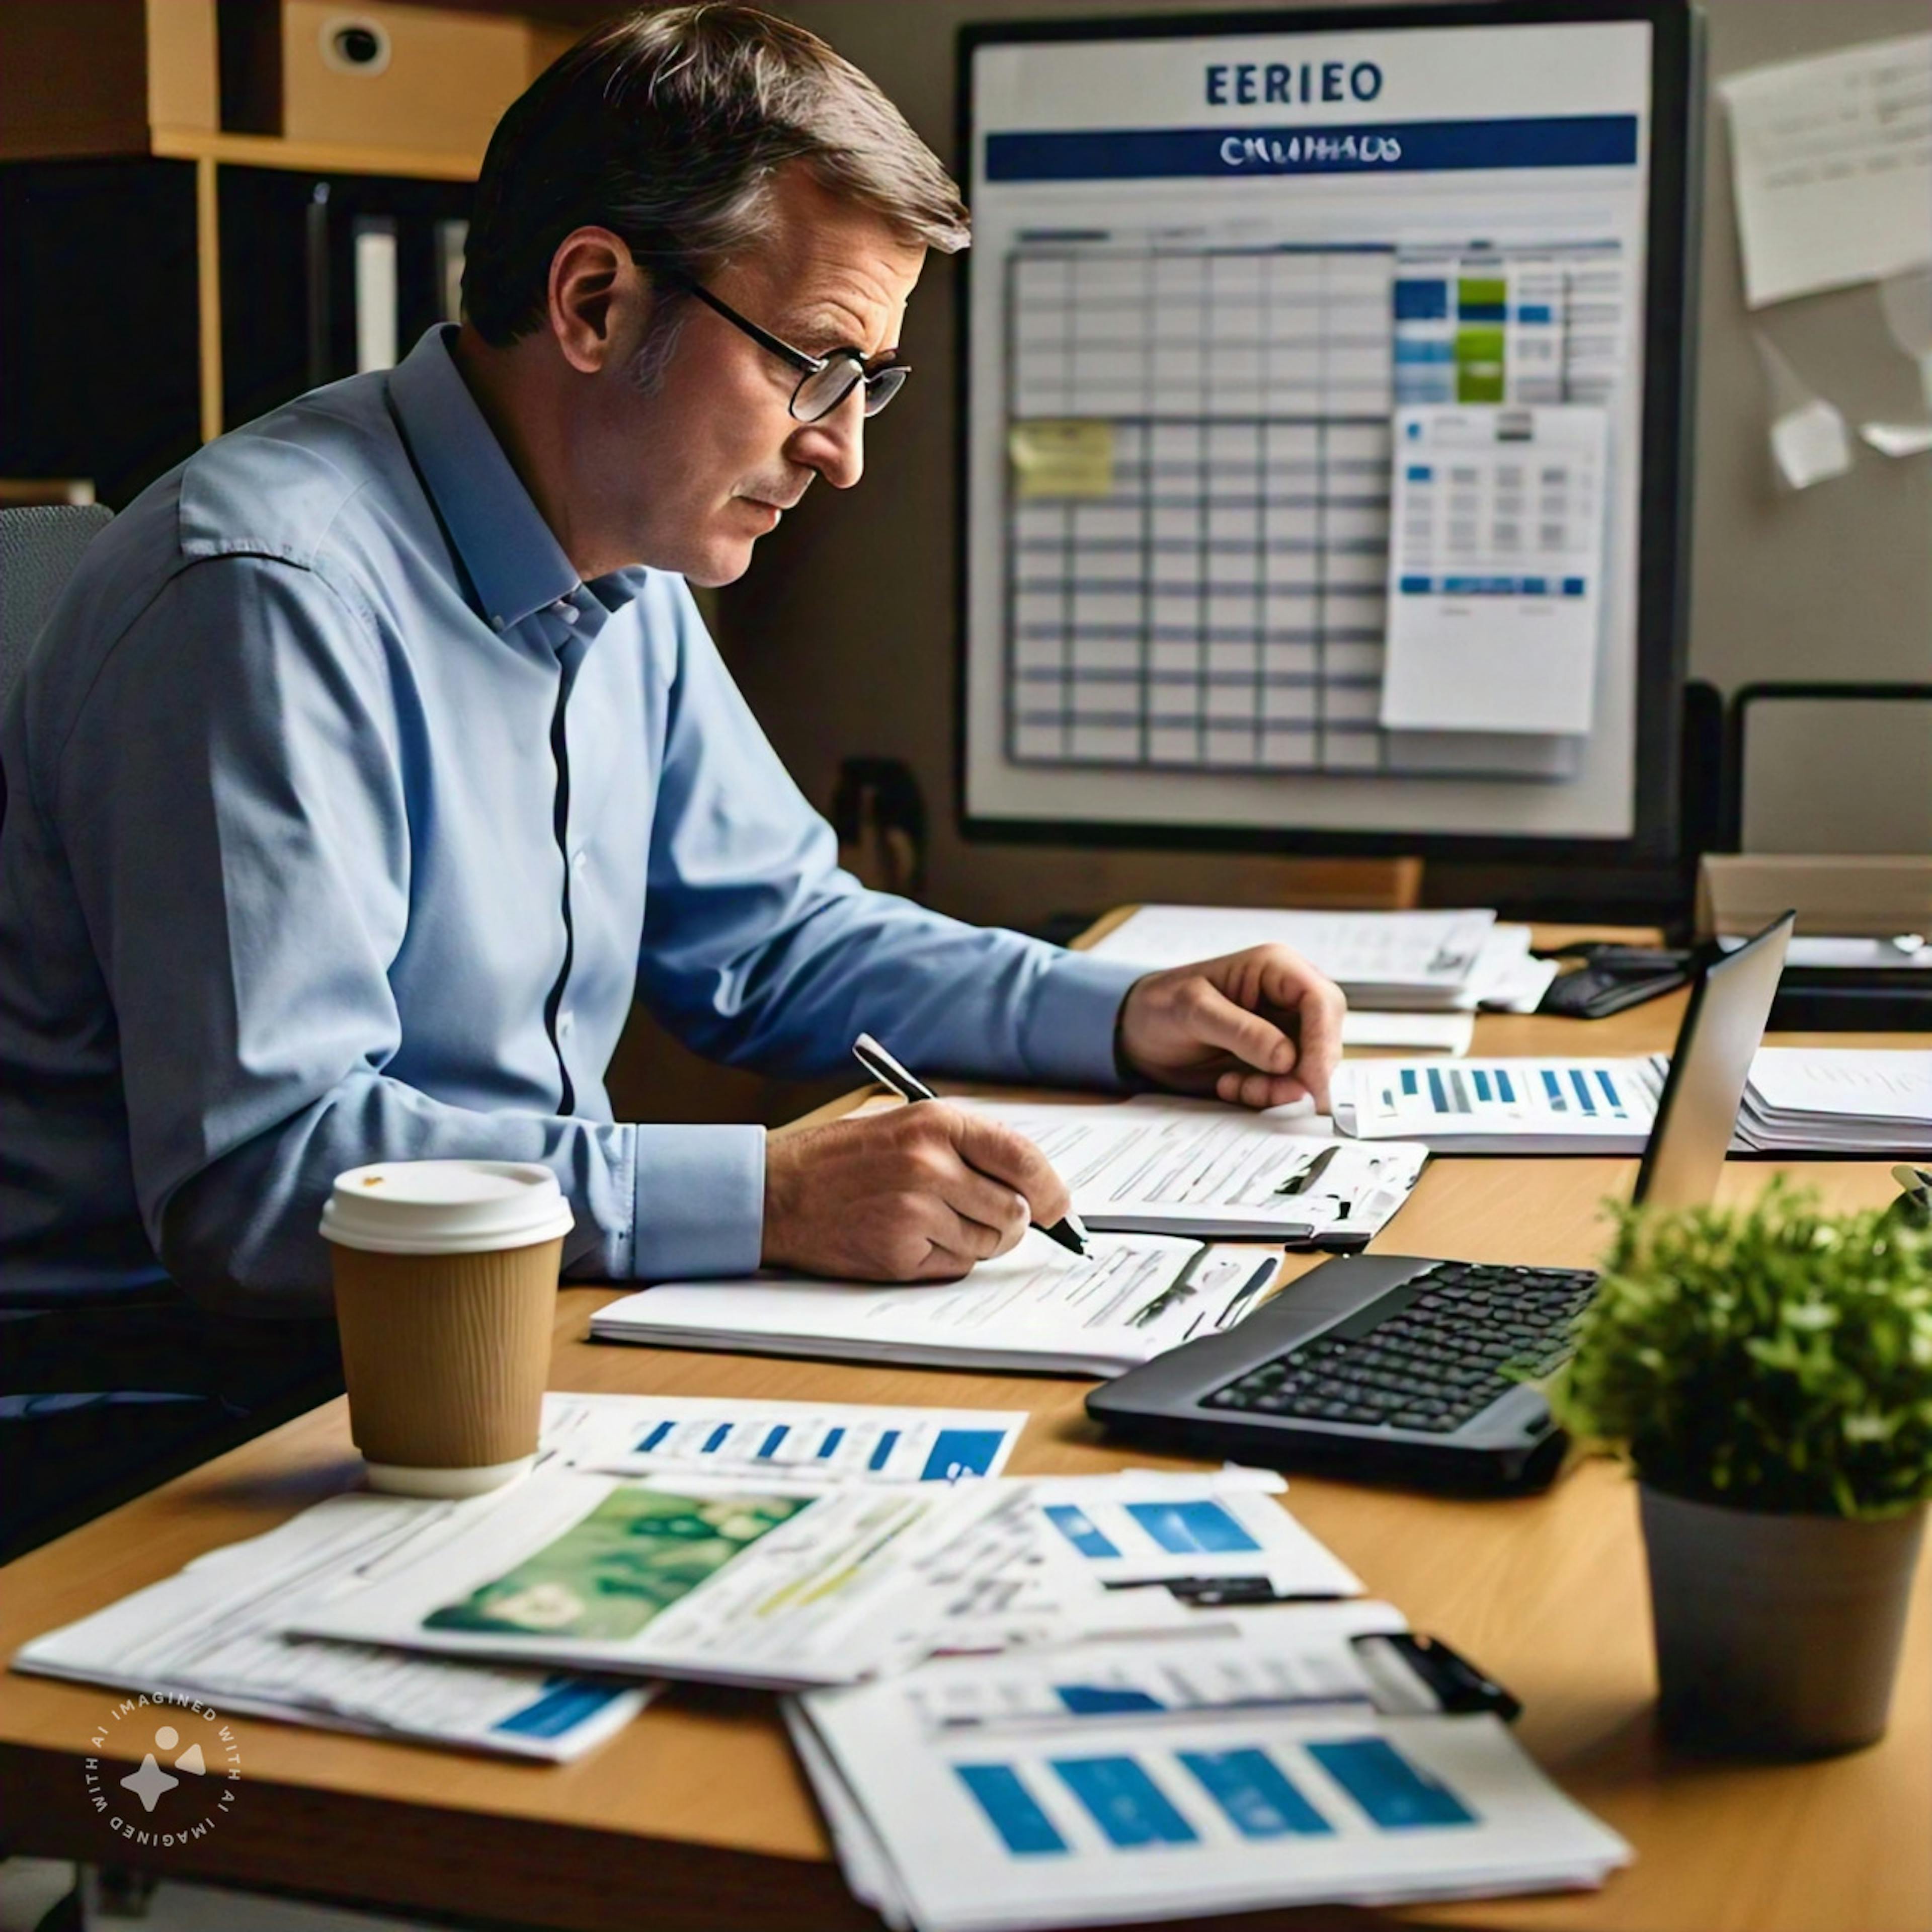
{"x": 39, "y": 547}
{"x": 98, "y": 1403}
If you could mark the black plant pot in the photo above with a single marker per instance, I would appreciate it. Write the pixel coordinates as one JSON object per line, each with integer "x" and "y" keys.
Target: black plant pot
{"x": 1776, "y": 1635}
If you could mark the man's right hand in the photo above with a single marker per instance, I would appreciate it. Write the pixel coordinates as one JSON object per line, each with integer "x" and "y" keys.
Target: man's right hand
{"x": 917, "y": 1194}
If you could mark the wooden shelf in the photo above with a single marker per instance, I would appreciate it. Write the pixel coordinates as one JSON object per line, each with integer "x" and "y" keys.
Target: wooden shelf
{"x": 271, "y": 151}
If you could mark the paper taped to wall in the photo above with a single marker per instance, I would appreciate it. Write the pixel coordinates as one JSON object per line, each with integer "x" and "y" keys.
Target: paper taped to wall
{"x": 1832, "y": 161}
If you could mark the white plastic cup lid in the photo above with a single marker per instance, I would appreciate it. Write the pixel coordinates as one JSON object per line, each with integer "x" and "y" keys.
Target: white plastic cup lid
{"x": 445, "y": 1207}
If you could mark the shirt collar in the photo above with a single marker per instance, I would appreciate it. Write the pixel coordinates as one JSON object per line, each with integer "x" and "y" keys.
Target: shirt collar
{"x": 513, "y": 557}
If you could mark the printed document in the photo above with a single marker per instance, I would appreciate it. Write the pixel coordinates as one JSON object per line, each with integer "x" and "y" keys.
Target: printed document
{"x": 219, "y": 1630}
{"x": 1254, "y": 1766}
{"x": 780, "y": 1584}
{"x": 853, "y": 1442}
{"x": 1503, "y": 1106}
{"x": 1147, "y": 1526}
{"x": 1378, "y": 958}
{"x": 1831, "y": 159}
{"x": 1037, "y": 1308}
{"x": 1496, "y": 568}
{"x": 1198, "y": 1167}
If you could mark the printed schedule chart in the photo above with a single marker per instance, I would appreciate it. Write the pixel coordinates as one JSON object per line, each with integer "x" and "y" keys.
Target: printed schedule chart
{"x": 1211, "y": 590}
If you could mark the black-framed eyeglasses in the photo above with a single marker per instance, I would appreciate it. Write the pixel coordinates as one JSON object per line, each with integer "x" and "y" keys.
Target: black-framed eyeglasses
{"x": 824, "y": 382}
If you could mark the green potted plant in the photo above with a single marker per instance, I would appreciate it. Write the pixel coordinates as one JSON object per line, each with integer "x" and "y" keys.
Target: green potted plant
{"x": 1767, "y": 1373}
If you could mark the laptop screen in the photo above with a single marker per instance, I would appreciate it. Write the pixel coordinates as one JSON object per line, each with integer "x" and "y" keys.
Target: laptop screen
{"x": 1723, "y": 1027}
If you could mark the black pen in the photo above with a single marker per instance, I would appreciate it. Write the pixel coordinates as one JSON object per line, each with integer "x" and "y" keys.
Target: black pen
{"x": 1068, "y": 1231}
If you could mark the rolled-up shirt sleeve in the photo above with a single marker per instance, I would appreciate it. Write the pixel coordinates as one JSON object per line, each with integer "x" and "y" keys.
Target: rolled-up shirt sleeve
{"x": 760, "y": 949}
{"x": 238, "y": 829}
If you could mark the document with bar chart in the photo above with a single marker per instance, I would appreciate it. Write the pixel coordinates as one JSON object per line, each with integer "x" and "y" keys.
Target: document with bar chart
{"x": 1249, "y": 364}
{"x": 1502, "y": 1106}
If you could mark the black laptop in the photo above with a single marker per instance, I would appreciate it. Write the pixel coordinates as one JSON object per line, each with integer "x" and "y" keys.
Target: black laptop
{"x": 1388, "y": 1366}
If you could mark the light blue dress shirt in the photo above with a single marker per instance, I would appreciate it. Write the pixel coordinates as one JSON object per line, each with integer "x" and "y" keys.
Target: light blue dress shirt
{"x": 343, "y": 823}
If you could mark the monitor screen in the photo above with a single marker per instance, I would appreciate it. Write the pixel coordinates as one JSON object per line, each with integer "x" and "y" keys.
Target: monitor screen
{"x": 1322, "y": 389}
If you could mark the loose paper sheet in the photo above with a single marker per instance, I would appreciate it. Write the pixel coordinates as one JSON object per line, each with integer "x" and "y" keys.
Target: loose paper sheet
{"x": 1831, "y": 158}
{"x": 1496, "y": 568}
{"x": 853, "y": 1442}
{"x": 1809, "y": 440}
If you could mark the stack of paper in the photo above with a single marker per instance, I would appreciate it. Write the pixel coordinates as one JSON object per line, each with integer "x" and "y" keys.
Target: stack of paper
{"x": 1038, "y": 1309}
{"x": 219, "y": 1630}
{"x": 1270, "y": 1764}
{"x": 1846, "y": 1100}
{"x": 1386, "y": 962}
{"x": 1158, "y": 1166}
{"x": 1850, "y": 1100}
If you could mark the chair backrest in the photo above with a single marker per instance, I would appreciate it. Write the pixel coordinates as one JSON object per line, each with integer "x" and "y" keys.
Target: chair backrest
{"x": 1830, "y": 768}
{"x": 39, "y": 547}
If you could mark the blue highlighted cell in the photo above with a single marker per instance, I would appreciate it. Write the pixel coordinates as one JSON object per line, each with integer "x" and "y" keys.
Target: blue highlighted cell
{"x": 1417, "y": 586}
{"x": 882, "y": 1450}
{"x": 655, "y": 1436}
{"x": 1572, "y": 587}
{"x": 1536, "y": 587}
{"x": 1482, "y": 1081}
{"x": 833, "y": 1437}
{"x": 1255, "y": 1793}
{"x": 1011, "y": 1809}
{"x": 1418, "y": 300}
{"x": 1419, "y": 472}
{"x": 1438, "y": 1094}
{"x": 1481, "y": 311}
{"x": 1610, "y": 1093}
{"x": 1412, "y": 353}
{"x": 1396, "y": 1794}
{"x": 779, "y": 1431}
{"x": 1408, "y": 1080}
{"x": 1124, "y": 1801}
{"x": 1553, "y": 1088}
{"x": 1104, "y": 1700}
{"x": 1187, "y": 1529}
{"x": 565, "y": 1704}
{"x": 1505, "y": 1086}
{"x": 1584, "y": 1099}
{"x": 960, "y": 1452}
{"x": 715, "y": 1440}
{"x": 1075, "y": 1525}
{"x": 1534, "y": 312}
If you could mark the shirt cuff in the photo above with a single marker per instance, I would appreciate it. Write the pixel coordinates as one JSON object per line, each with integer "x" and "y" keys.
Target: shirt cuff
{"x": 1068, "y": 1038}
{"x": 699, "y": 1208}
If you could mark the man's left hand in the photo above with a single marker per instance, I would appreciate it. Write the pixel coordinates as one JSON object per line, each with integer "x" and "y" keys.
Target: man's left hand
{"x": 1260, "y": 1028}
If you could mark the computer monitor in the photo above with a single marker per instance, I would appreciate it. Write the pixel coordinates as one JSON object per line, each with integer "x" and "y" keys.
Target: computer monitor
{"x": 1697, "y": 1112}
{"x": 1324, "y": 379}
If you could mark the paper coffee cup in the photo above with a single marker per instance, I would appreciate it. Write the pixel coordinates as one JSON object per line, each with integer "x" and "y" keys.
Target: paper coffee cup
{"x": 446, "y": 1294}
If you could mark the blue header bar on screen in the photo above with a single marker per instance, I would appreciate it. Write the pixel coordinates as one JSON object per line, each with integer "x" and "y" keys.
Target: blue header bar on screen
{"x": 1148, "y": 154}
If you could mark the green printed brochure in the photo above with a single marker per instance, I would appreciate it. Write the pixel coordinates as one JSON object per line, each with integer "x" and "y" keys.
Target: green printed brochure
{"x": 637, "y": 1553}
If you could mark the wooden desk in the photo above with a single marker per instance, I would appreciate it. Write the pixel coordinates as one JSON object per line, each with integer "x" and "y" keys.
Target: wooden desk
{"x": 697, "y": 1816}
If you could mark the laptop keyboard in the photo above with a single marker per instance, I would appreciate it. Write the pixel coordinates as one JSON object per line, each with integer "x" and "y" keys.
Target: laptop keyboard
{"x": 1429, "y": 1356}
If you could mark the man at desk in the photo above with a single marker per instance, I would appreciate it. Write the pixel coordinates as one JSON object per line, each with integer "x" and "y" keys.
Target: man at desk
{"x": 377, "y": 758}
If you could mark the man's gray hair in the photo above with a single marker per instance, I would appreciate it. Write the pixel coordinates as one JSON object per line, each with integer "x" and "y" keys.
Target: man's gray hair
{"x": 667, "y": 126}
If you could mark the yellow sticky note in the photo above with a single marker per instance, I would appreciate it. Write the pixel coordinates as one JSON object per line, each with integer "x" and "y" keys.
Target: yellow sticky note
{"x": 1070, "y": 458}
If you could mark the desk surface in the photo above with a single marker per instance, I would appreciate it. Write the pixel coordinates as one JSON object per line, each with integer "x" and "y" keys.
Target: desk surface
{"x": 696, "y": 1816}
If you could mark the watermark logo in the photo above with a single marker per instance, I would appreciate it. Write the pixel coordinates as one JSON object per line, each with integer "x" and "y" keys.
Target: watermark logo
{"x": 186, "y": 1782}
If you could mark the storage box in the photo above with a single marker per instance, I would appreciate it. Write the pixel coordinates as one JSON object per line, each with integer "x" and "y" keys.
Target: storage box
{"x": 1857, "y": 895}
{"x": 434, "y": 78}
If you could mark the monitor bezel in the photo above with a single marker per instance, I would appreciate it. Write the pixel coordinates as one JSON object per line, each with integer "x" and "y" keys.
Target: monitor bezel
{"x": 1663, "y": 515}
